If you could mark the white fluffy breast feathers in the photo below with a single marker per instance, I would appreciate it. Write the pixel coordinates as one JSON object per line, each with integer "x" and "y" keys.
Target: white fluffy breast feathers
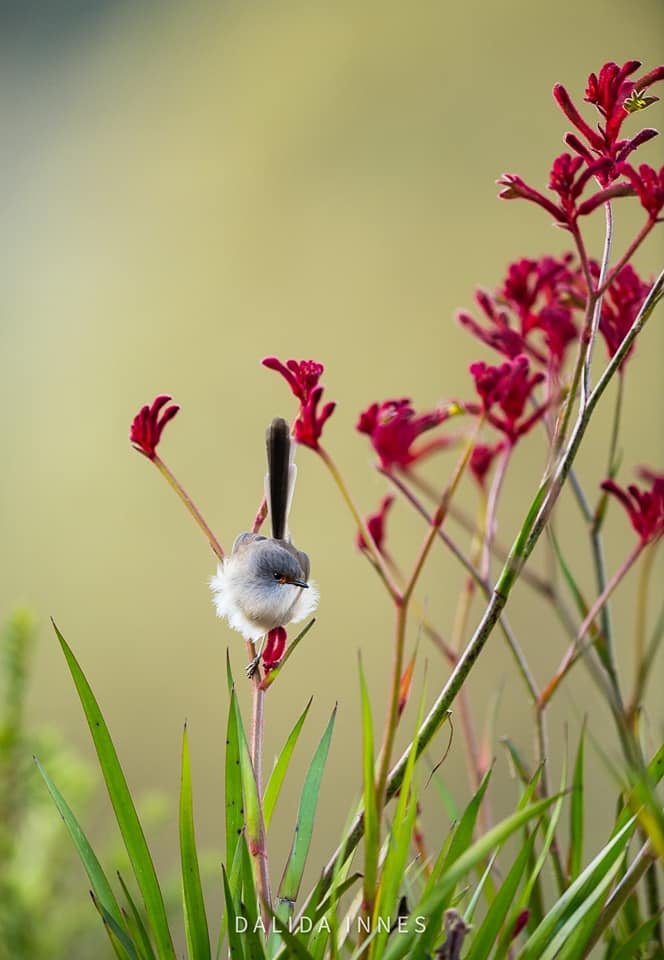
{"x": 251, "y": 589}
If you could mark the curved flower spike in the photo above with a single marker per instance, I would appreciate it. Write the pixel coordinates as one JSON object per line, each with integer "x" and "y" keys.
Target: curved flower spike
{"x": 376, "y": 526}
{"x": 148, "y": 426}
{"x": 393, "y": 426}
{"x": 645, "y": 508}
{"x": 302, "y": 377}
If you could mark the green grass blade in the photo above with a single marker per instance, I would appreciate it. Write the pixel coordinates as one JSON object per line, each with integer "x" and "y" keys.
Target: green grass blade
{"x": 371, "y": 816}
{"x": 577, "y": 929}
{"x": 125, "y": 812}
{"x": 139, "y": 933}
{"x": 518, "y": 763}
{"x": 401, "y": 835}
{"x": 290, "y": 883}
{"x": 294, "y": 946}
{"x": 462, "y": 835}
{"x": 120, "y": 940}
{"x": 630, "y": 948}
{"x": 485, "y": 937}
{"x": 575, "y": 855}
{"x": 232, "y": 785}
{"x": 531, "y": 897}
{"x": 477, "y": 892}
{"x": 581, "y": 889}
{"x": 276, "y": 780}
{"x": 251, "y": 802}
{"x": 433, "y": 902}
{"x": 235, "y": 940}
{"x": 270, "y": 677}
{"x": 101, "y": 887}
{"x": 195, "y": 919}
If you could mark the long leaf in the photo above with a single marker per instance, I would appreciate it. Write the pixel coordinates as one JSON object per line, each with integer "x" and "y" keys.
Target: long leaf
{"x": 462, "y": 835}
{"x": 629, "y": 949}
{"x": 575, "y": 857}
{"x": 371, "y": 820}
{"x": 139, "y": 933}
{"x": 120, "y": 940}
{"x": 125, "y": 812}
{"x": 432, "y": 904}
{"x": 195, "y": 919}
{"x": 100, "y": 885}
{"x": 582, "y": 888}
{"x": 401, "y": 835}
{"x": 276, "y": 780}
{"x": 485, "y": 938}
{"x": 290, "y": 883}
{"x": 232, "y": 785}
{"x": 577, "y": 929}
{"x": 235, "y": 942}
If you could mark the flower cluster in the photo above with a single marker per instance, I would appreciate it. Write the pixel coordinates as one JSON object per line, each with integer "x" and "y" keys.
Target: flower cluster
{"x": 620, "y": 307}
{"x": 509, "y": 388}
{"x": 532, "y": 312}
{"x": 615, "y": 96}
{"x": 600, "y": 154}
{"x": 148, "y": 425}
{"x": 393, "y": 427}
{"x": 645, "y": 508}
{"x": 302, "y": 377}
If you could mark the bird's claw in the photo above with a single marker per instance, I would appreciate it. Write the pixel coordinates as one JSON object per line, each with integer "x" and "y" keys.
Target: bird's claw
{"x": 252, "y": 667}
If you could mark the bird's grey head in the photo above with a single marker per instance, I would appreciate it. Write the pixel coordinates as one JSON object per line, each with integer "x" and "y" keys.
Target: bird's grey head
{"x": 273, "y": 563}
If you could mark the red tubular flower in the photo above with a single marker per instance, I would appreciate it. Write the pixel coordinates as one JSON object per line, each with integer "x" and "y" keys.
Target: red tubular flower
{"x": 499, "y": 335}
{"x": 615, "y": 96}
{"x": 274, "y": 648}
{"x": 645, "y": 508}
{"x": 602, "y": 151}
{"x": 481, "y": 460}
{"x": 568, "y": 180}
{"x": 393, "y": 427}
{"x": 302, "y": 377}
{"x": 509, "y": 387}
{"x": 621, "y": 304}
{"x": 520, "y": 923}
{"x": 536, "y": 302}
{"x": 376, "y": 526}
{"x": 147, "y": 426}
{"x": 648, "y": 185}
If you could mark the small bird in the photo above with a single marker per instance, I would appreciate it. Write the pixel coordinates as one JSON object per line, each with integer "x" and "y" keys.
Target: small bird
{"x": 264, "y": 583}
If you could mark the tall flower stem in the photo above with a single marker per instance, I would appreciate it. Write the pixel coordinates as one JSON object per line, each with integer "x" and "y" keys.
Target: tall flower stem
{"x": 498, "y": 549}
{"x": 626, "y": 257}
{"x": 377, "y": 558}
{"x": 258, "y": 849}
{"x": 578, "y": 647}
{"x": 402, "y": 603}
{"x": 175, "y": 484}
{"x": 641, "y": 658}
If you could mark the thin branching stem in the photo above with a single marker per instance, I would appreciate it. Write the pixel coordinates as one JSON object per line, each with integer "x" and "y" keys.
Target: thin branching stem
{"x": 175, "y": 484}
{"x": 401, "y": 605}
{"x": 627, "y": 256}
{"x": 378, "y": 560}
{"x": 597, "y": 307}
{"x": 640, "y": 626}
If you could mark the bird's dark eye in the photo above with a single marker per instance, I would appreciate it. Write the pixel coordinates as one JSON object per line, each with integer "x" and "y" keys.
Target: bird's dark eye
{"x": 276, "y": 575}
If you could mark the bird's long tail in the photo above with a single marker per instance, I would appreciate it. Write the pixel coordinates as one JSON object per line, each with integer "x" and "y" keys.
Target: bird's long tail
{"x": 281, "y": 474}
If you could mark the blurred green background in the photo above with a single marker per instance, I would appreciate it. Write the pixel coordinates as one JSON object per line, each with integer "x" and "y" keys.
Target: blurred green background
{"x": 189, "y": 187}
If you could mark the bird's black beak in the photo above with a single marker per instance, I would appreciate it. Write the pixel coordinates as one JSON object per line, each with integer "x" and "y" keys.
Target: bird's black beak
{"x": 299, "y": 583}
